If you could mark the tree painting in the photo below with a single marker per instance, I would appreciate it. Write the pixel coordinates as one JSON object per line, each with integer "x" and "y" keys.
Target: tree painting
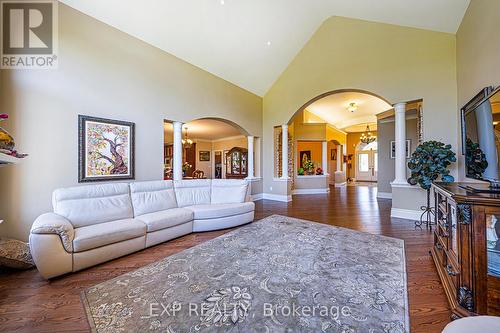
{"x": 108, "y": 148}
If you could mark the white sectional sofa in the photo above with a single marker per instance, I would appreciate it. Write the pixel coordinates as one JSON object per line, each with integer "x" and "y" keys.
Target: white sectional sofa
{"x": 96, "y": 223}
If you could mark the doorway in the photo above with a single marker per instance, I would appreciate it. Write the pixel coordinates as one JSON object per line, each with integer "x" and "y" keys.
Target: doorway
{"x": 366, "y": 163}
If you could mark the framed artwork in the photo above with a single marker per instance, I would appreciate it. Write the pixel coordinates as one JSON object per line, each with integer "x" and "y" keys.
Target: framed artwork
{"x": 305, "y": 155}
{"x": 333, "y": 154}
{"x": 105, "y": 149}
{"x": 204, "y": 156}
{"x": 393, "y": 149}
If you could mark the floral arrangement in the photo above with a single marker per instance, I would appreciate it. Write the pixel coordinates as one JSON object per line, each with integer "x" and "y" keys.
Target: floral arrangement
{"x": 7, "y": 143}
{"x": 186, "y": 166}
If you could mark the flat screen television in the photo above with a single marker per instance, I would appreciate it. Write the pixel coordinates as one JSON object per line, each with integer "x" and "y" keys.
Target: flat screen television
{"x": 481, "y": 137}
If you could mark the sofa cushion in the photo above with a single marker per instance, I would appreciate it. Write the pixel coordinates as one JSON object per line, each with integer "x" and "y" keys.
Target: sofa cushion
{"x": 88, "y": 205}
{"x": 213, "y": 211}
{"x": 154, "y": 196}
{"x": 93, "y": 236}
{"x": 228, "y": 191}
{"x": 192, "y": 192}
{"x": 166, "y": 218}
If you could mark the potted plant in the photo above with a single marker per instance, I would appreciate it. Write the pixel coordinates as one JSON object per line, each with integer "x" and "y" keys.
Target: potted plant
{"x": 430, "y": 161}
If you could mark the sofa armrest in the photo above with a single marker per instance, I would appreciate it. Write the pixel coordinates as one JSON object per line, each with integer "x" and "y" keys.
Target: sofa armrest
{"x": 55, "y": 224}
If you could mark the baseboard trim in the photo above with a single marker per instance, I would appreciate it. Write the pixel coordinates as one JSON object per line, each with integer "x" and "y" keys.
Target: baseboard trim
{"x": 340, "y": 184}
{"x": 257, "y": 197}
{"x": 407, "y": 214}
{"x": 384, "y": 195}
{"x": 311, "y": 191}
{"x": 277, "y": 197}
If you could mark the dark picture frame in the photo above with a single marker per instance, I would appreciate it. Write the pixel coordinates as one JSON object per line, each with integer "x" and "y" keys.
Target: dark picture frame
{"x": 120, "y": 141}
{"x": 333, "y": 154}
{"x": 204, "y": 156}
{"x": 393, "y": 149}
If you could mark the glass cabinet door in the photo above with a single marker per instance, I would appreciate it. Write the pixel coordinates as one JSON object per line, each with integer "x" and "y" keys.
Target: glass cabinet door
{"x": 493, "y": 243}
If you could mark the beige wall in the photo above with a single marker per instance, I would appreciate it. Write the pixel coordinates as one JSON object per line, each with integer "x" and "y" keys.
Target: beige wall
{"x": 478, "y": 53}
{"x": 106, "y": 73}
{"x": 397, "y": 63}
{"x": 386, "y": 166}
{"x": 205, "y": 166}
{"x": 316, "y": 149}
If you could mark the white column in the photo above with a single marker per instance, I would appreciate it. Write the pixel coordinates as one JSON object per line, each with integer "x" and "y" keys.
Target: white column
{"x": 257, "y": 161}
{"x": 324, "y": 154}
{"x": 177, "y": 173}
{"x": 400, "y": 139}
{"x": 284, "y": 151}
{"x": 250, "y": 157}
{"x": 339, "y": 157}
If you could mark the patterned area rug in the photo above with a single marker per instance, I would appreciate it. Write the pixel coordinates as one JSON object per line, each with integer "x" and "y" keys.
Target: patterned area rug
{"x": 279, "y": 274}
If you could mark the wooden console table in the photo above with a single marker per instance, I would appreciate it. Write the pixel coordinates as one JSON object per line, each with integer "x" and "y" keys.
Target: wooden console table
{"x": 466, "y": 248}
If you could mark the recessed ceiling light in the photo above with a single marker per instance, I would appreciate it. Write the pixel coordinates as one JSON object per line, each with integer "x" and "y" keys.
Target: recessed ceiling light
{"x": 222, "y": 2}
{"x": 268, "y": 43}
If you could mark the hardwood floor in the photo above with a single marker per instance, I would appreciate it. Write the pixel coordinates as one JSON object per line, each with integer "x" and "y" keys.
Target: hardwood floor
{"x": 28, "y": 303}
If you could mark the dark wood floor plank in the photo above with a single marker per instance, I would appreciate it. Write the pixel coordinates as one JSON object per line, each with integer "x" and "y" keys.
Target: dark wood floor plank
{"x": 28, "y": 303}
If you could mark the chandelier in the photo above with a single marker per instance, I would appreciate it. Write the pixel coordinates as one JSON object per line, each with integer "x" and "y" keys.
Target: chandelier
{"x": 367, "y": 136}
{"x": 186, "y": 142}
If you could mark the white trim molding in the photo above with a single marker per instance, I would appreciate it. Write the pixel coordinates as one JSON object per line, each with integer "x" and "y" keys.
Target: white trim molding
{"x": 277, "y": 197}
{"x": 408, "y": 214}
{"x": 257, "y": 197}
{"x": 311, "y": 191}
{"x": 384, "y": 195}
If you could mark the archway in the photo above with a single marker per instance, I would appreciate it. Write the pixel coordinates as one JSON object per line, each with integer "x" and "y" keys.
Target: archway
{"x": 211, "y": 148}
{"x": 329, "y": 120}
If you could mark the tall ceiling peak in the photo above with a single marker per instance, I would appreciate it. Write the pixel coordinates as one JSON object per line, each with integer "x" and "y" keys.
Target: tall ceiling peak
{"x": 251, "y": 42}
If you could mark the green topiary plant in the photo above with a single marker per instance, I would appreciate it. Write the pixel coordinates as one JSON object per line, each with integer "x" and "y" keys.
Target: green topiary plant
{"x": 428, "y": 162}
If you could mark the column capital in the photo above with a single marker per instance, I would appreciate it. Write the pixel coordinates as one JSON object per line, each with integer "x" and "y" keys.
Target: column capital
{"x": 400, "y": 107}
{"x": 284, "y": 126}
{"x": 250, "y": 137}
{"x": 177, "y": 124}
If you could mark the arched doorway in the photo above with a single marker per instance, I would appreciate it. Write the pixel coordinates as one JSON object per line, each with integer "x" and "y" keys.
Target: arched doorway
{"x": 212, "y": 148}
{"x": 323, "y": 135}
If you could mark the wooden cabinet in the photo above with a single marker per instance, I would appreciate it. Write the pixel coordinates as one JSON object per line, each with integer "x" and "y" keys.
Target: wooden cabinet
{"x": 237, "y": 163}
{"x": 466, "y": 249}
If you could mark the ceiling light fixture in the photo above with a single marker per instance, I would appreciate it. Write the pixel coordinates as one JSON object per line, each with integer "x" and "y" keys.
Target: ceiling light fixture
{"x": 222, "y": 2}
{"x": 352, "y": 107}
{"x": 367, "y": 136}
{"x": 268, "y": 43}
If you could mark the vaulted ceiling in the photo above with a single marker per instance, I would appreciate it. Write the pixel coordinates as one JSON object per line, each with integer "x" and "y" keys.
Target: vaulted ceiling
{"x": 251, "y": 42}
